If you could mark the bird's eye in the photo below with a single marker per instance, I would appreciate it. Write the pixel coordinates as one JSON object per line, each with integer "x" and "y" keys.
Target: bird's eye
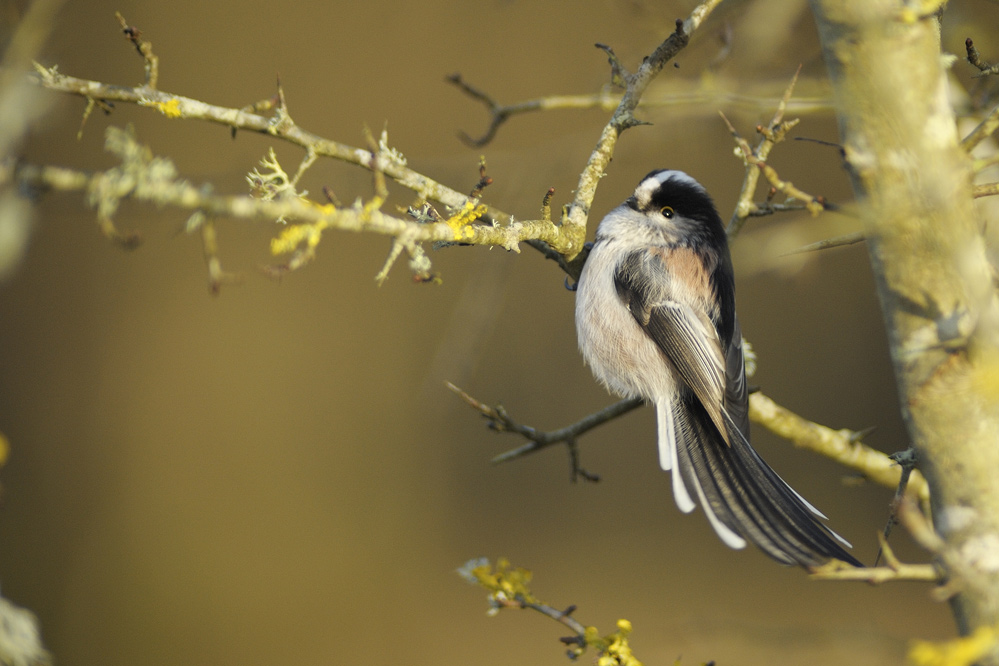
{"x": 667, "y": 212}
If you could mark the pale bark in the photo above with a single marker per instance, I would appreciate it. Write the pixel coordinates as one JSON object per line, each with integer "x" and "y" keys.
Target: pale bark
{"x": 913, "y": 181}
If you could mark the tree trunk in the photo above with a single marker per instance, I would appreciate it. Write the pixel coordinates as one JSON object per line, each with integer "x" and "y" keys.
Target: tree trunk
{"x": 912, "y": 180}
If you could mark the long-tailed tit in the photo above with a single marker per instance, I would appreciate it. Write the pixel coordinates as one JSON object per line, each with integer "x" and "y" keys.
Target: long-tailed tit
{"x": 655, "y": 316}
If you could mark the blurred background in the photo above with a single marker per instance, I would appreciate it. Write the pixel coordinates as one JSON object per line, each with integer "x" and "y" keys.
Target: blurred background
{"x": 278, "y": 474}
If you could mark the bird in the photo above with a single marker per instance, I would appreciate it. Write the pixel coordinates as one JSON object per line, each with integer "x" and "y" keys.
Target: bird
{"x": 655, "y": 319}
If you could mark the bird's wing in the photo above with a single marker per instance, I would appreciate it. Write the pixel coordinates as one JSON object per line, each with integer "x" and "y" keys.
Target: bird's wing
{"x": 686, "y": 335}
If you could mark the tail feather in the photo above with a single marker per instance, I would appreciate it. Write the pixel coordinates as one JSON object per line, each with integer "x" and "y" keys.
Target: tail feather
{"x": 794, "y": 497}
{"x": 734, "y": 494}
{"x": 741, "y": 495}
{"x": 668, "y": 457}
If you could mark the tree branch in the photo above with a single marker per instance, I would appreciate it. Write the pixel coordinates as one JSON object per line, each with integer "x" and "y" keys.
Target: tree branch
{"x": 280, "y": 126}
{"x": 984, "y": 68}
{"x": 679, "y": 93}
{"x": 893, "y": 571}
{"x": 155, "y": 180}
{"x": 842, "y": 446}
{"x": 565, "y": 240}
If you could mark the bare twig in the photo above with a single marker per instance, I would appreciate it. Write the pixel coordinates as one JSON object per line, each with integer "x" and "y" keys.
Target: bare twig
{"x": 907, "y": 461}
{"x": 144, "y": 48}
{"x": 773, "y": 135}
{"x": 755, "y": 160}
{"x": 500, "y": 113}
{"x": 839, "y": 241}
{"x": 768, "y": 207}
{"x": 984, "y": 68}
{"x": 500, "y": 421}
{"x": 680, "y": 94}
{"x": 983, "y": 131}
{"x": 843, "y": 446}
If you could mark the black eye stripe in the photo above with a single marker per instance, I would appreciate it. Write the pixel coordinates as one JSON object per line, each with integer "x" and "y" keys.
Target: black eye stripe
{"x": 683, "y": 197}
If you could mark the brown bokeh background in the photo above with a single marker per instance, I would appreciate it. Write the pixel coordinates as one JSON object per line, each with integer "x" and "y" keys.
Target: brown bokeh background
{"x": 278, "y": 475}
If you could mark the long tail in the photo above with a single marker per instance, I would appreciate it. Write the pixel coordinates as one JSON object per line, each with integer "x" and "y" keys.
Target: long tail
{"x": 744, "y": 499}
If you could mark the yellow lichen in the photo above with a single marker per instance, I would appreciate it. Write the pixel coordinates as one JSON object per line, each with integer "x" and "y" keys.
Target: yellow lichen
{"x": 170, "y": 108}
{"x": 459, "y": 222}
{"x": 958, "y": 652}
{"x": 296, "y": 234}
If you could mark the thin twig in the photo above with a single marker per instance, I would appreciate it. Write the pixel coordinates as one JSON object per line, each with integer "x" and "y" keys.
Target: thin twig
{"x": 500, "y": 113}
{"x": 500, "y": 421}
{"x": 984, "y": 68}
{"x": 839, "y": 241}
{"x": 894, "y": 569}
{"x": 680, "y": 94}
{"x": 986, "y": 190}
{"x": 563, "y": 617}
{"x": 768, "y": 207}
{"x": 755, "y": 160}
{"x": 144, "y": 48}
{"x": 983, "y": 131}
{"x": 907, "y": 461}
